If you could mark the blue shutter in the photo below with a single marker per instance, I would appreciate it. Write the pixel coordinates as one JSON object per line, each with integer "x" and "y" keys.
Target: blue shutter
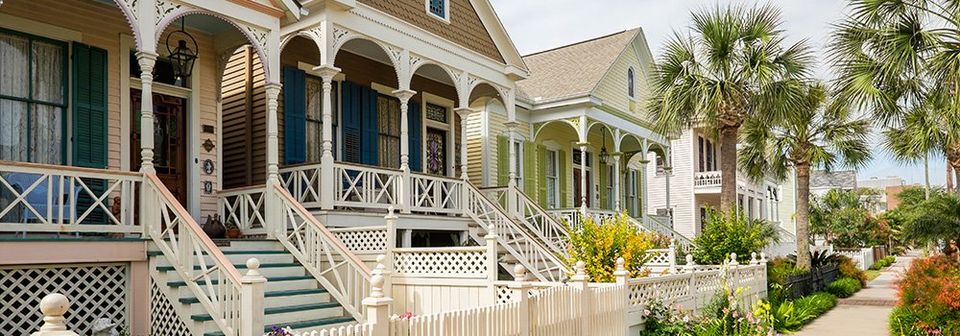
{"x": 294, "y": 116}
{"x": 351, "y": 122}
{"x": 413, "y": 124}
{"x": 368, "y": 123}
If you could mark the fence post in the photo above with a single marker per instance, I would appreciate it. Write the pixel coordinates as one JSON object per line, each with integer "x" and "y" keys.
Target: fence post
{"x": 252, "y": 287}
{"x": 672, "y": 255}
{"x": 53, "y": 306}
{"x": 521, "y": 289}
{"x": 492, "y": 260}
{"x": 378, "y": 307}
{"x": 753, "y": 258}
{"x": 691, "y": 265}
{"x": 582, "y": 281}
{"x": 621, "y": 273}
{"x": 388, "y": 256}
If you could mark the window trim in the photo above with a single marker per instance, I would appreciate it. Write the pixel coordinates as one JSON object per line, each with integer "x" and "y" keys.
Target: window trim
{"x": 631, "y": 83}
{"x": 553, "y": 178}
{"x": 66, "y": 107}
{"x": 446, "y": 11}
{"x": 453, "y": 134}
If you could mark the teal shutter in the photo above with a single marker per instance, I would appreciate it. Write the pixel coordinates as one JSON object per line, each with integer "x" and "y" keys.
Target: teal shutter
{"x": 414, "y": 132}
{"x": 370, "y": 137}
{"x": 294, "y": 116}
{"x": 89, "y": 106}
{"x": 351, "y": 122}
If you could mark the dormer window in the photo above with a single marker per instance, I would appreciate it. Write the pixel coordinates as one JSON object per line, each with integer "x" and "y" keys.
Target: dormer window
{"x": 439, "y": 8}
{"x": 630, "y": 83}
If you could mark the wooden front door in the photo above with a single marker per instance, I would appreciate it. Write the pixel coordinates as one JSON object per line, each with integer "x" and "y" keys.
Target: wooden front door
{"x": 170, "y": 141}
{"x": 577, "y": 192}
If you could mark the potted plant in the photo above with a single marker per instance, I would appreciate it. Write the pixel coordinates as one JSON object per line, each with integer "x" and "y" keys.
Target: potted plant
{"x": 214, "y": 227}
{"x": 233, "y": 231}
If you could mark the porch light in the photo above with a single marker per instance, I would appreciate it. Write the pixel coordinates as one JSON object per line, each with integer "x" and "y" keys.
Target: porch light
{"x": 604, "y": 156}
{"x": 182, "y": 57}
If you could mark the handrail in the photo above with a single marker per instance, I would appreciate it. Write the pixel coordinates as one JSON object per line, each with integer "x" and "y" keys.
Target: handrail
{"x": 650, "y": 223}
{"x": 528, "y": 251}
{"x": 433, "y": 193}
{"x": 43, "y": 168}
{"x": 340, "y": 271}
{"x": 218, "y": 287}
{"x": 533, "y": 217}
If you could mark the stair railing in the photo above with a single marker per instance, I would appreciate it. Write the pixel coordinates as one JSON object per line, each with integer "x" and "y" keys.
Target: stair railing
{"x": 649, "y": 223}
{"x": 340, "y": 272}
{"x": 540, "y": 260}
{"x": 546, "y": 227}
{"x": 233, "y": 301}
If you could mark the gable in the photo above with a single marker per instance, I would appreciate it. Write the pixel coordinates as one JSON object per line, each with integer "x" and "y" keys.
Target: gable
{"x": 465, "y": 27}
{"x": 613, "y": 88}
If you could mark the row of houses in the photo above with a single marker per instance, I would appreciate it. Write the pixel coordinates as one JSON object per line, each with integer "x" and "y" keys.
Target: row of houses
{"x": 300, "y": 123}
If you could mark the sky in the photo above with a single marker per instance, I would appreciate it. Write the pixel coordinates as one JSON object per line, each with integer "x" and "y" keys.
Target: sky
{"x": 536, "y": 25}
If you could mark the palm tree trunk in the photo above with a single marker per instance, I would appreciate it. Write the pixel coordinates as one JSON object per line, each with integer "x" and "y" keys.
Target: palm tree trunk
{"x": 728, "y": 168}
{"x": 949, "y": 178}
{"x": 803, "y": 216}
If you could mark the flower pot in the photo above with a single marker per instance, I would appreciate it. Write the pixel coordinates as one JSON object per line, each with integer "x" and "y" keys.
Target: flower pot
{"x": 233, "y": 233}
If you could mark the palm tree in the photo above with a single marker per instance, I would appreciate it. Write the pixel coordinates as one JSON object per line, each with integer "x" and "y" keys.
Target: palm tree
{"x": 816, "y": 134}
{"x": 731, "y": 67}
{"x": 900, "y": 59}
{"x": 937, "y": 219}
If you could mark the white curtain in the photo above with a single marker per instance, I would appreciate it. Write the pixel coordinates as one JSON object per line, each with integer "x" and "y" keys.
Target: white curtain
{"x": 46, "y": 127}
{"x": 41, "y": 123}
{"x": 314, "y": 116}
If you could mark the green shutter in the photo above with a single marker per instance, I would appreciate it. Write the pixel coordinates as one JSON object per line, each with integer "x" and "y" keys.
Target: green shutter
{"x": 89, "y": 118}
{"x": 542, "y": 175}
{"x": 562, "y": 171}
{"x": 602, "y": 167}
{"x": 503, "y": 161}
{"x": 529, "y": 169}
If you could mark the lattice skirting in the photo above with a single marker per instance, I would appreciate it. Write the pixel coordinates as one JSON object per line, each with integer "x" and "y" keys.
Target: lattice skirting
{"x": 164, "y": 319}
{"x": 95, "y": 291}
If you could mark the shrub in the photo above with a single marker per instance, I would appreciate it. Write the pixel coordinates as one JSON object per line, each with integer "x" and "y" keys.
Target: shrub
{"x": 600, "y": 244}
{"x": 904, "y": 322}
{"x": 780, "y": 268}
{"x": 844, "y": 287}
{"x": 732, "y": 233}
{"x": 790, "y": 316}
{"x": 660, "y": 320}
{"x": 930, "y": 290}
{"x": 818, "y": 303}
{"x": 848, "y": 269}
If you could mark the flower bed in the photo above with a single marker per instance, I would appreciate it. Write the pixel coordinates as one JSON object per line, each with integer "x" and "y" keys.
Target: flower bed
{"x": 929, "y": 295}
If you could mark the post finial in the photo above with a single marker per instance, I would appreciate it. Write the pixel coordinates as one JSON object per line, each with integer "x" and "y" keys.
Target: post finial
{"x": 620, "y": 264}
{"x": 733, "y": 259}
{"x": 391, "y": 213}
{"x": 763, "y": 257}
{"x": 753, "y": 258}
{"x": 519, "y": 272}
{"x": 581, "y": 268}
{"x": 54, "y": 306}
{"x": 253, "y": 267}
{"x": 690, "y": 260}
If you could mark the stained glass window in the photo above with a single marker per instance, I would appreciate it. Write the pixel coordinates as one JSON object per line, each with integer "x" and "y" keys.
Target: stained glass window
{"x": 436, "y": 151}
{"x": 437, "y": 113}
{"x": 438, "y": 7}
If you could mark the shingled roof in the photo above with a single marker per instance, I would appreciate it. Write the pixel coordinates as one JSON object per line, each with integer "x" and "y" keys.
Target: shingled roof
{"x": 844, "y": 179}
{"x": 572, "y": 70}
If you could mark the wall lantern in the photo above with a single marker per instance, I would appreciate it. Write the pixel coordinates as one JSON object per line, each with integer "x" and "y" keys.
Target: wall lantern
{"x": 182, "y": 57}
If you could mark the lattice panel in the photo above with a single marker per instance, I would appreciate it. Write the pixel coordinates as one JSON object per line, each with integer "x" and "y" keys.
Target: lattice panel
{"x": 163, "y": 316}
{"x": 504, "y": 294}
{"x": 363, "y": 241}
{"x": 94, "y": 291}
{"x": 442, "y": 263}
{"x": 658, "y": 257}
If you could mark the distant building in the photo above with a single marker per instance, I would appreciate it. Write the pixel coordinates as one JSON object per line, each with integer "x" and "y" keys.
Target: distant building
{"x": 877, "y": 193}
{"x": 892, "y": 194}
{"x": 822, "y": 181}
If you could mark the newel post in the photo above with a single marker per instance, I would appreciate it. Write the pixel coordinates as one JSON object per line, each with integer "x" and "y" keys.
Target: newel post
{"x": 385, "y": 272}
{"x": 53, "y": 306}
{"x": 252, "y": 286}
{"x": 492, "y": 266}
{"x": 378, "y": 307}
{"x": 672, "y": 254}
{"x": 521, "y": 290}
{"x": 388, "y": 260}
{"x": 582, "y": 281}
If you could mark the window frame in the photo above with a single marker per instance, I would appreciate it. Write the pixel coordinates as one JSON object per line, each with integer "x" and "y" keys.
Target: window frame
{"x": 518, "y": 160}
{"x": 631, "y": 83}
{"x": 334, "y": 115}
{"x": 553, "y": 179}
{"x": 381, "y": 135}
{"x": 67, "y": 98}
{"x": 446, "y": 11}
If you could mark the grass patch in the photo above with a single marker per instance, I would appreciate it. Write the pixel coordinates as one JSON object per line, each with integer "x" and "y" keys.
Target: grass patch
{"x": 872, "y": 274}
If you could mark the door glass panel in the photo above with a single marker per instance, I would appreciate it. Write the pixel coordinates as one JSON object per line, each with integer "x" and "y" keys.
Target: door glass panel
{"x": 436, "y": 151}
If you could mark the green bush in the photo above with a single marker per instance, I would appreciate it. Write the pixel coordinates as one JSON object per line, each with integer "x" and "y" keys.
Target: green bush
{"x": 849, "y": 269}
{"x": 600, "y": 244}
{"x": 885, "y": 262}
{"x": 790, "y": 316}
{"x": 817, "y": 303}
{"x": 780, "y": 268}
{"x": 844, "y": 287}
{"x": 904, "y": 321}
{"x": 732, "y": 233}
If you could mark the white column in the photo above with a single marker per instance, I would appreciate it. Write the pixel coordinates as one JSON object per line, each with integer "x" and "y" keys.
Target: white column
{"x": 644, "y": 197}
{"x": 464, "y": 113}
{"x": 273, "y": 142}
{"x": 327, "y": 174}
{"x": 616, "y": 181}
{"x": 146, "y": 60}
{"x": 667, "y": 171}
{"x": 405, "y": 184}
{"x": 512, "y": 130}
{"x": 583, "y": 179}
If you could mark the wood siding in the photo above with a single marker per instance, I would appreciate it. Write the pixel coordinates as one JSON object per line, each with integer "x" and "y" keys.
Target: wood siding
{"x": 244, "y": 120}
{"x": 612, "y": 89}
{"x": 465, "y": 27}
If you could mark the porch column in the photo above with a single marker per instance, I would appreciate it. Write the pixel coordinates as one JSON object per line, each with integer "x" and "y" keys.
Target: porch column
{"x": 406, "y": 184}
{"x": 512, "y": 177}
{"x": 583, "y": 178}
{"x": 464, "y": 113}
{"x": 667, "y": 171}
{"x": 616, "y": 181}
{"x": 146, "y": 60}
{"x": 644, "y": 197}
{"x": 327, "y": 174}
{"x": 271, "y": 198}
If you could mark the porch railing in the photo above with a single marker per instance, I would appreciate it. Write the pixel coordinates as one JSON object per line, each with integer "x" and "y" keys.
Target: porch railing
{"x": 651, "y": 223}
{"x": 436, "y": 194}
{"x": 366, "y": 187}
{"x": 529, "y": 213}
{"x": 48, "y": 198}
{"x": 574, "y": 218}
{"x": 340, "y": 272}
{"x": 707, "y": 179}
{"x": 303, "y": 183}
{"x": 244, "y": 207}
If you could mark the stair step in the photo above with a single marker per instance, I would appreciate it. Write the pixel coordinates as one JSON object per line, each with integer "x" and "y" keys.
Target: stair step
{"x": 230, "y": 252}
{"x": 310, "y": 324}
{"x": 177, "y": 284}
{"x": 280, "y": 293}
{"x": 238, "y": 266}
{"x": 277, "y": 310}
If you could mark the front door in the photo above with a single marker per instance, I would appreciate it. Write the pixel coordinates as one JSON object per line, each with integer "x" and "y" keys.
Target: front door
{"x": 170, "y": 141}
{"x": 577, "y": 191}
{"x": 436, "y": 151}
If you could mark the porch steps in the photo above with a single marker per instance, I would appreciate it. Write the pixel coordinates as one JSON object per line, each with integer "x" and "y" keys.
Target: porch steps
{"x": 293, "y": 298}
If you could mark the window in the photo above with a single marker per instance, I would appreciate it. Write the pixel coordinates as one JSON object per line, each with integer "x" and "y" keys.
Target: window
{"x": 630, "y": 83}
{"x": 661, "y": 165}
{"x": 438, "y": 8}
{"x": 518, "y": 162}
{"x": 611, "y": 201}
{"x": 33, "y": 98}
{"x": 553, "y": 189}
{"x": 632, "y": 193}
{"x": 314, "y": 118}
{"x": 388, "y": 124}
{"x": 707, "y": 155}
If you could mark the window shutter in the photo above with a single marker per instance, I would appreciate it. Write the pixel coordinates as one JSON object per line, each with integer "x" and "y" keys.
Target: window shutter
{"x": 529, "y": 169}
{"x": 562, "y": 172}
{"x": 351, "y": 122}
{"x": 370, "y": 137}
{"x": 89, "y": 106}
{"x": 294, "y": 116}
{"x": 503, "y": 160}
{"x": 414, "y": 132}
{"x": 542, "y": 175}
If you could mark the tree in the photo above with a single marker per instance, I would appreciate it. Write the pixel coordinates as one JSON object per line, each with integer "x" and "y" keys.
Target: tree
{"x": 840, "y": 216}
{"x": 934, "y": 220}
{"x": 817, "y": 133}
{"x": 732, "y": 232}
{"x": 731, "y": 68}
{"x": 900, "y": 60}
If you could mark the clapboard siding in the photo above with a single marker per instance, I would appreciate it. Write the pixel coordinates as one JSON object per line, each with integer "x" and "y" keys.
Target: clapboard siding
{"x": 612, "y": 89}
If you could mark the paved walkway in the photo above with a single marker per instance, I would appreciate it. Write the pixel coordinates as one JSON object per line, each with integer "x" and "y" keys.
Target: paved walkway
{"x": 866, "y": 312}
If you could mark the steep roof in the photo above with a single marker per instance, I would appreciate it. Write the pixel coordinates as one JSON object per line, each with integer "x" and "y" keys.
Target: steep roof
{"x": 572, "y": 70}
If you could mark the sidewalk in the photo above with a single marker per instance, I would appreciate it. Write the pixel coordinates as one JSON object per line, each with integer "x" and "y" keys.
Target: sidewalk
{"x": 867, "y": 311}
